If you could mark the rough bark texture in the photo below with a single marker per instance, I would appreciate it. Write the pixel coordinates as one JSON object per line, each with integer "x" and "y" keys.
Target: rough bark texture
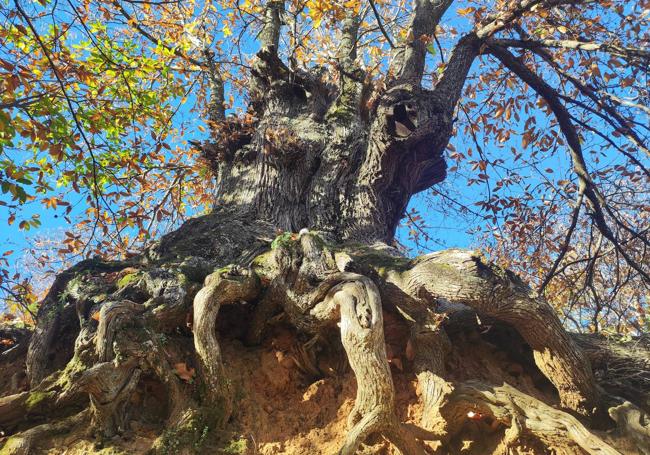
{"x": 141, "y": 329}
{"x": 311, "y": 193}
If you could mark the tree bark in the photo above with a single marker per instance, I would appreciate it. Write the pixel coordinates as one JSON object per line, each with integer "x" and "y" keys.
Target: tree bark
{"x": 311, "y": 192}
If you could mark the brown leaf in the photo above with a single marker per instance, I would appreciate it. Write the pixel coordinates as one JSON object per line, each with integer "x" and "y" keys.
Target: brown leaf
{"x": 409, "y": 351}
{"x": 186, "y": 374}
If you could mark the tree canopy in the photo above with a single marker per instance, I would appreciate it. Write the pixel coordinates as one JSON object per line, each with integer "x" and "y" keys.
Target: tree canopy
{"x": 105, "y": 104}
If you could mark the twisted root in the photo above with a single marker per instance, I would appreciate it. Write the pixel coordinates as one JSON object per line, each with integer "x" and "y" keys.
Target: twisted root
{"x": 362, "y": 334}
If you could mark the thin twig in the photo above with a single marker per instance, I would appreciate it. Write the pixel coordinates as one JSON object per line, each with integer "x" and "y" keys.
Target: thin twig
{"x": 380, "y": 24}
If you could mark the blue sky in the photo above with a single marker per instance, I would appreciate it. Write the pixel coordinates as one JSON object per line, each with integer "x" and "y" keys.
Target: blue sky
{"x": 447, "y": 228}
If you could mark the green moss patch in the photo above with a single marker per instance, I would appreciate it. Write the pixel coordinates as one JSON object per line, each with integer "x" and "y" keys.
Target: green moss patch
{"x": 127, "y": 279}
{"x": 35, "y": 399}
{"x": 236, "y": 446}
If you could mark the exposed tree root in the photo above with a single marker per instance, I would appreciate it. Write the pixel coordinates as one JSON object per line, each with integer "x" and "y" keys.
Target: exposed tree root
{"x": 520, "y": 413}
{"x": 231, "y": 285}
{"x": 362, "y": 334}
{"x": 430, "y": 346}
{"x": 49, "y": 399}
{"x": 121, "y": 339}
{"x": 460, "y": 276}
{"x": 36, "y": 439}
{"x": 633, "y": 425}
{"x": 58, "y": 318}
{"x": 110, "y": 387}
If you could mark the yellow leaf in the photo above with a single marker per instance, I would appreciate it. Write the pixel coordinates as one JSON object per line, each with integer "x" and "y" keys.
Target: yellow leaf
{"x": 227, "y": 31}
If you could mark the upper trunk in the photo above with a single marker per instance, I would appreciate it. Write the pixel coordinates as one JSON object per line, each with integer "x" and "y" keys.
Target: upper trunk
{"x": 339, "y": 173}
{"x": 341, "y": 157}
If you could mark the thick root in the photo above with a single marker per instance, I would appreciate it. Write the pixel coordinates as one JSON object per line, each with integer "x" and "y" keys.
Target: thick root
{"x": 33, "y": 440}
{"x": 430, "y": 345}
{"x": 115, "y": 357}
{"x": 125, "y": 346}
{"x": 462, "y": 277}
{"x": 223, "y": 287}
{"x": 520, "y": 413}
{"x": 51, "y": 344}
{"x": 362, "y": 334}
{"x": 633, "y": 425}
{"x": 110, "y": 387}
{"x": 49, "y": 399}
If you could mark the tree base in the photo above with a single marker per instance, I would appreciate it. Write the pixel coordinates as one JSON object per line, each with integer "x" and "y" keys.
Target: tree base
{"x": 312, "y": 347}
{"x": 282, "y": 408}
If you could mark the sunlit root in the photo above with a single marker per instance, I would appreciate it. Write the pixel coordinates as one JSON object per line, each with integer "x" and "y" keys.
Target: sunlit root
{"x": 363, "y": 339}
{"x": 462, "y": 277}
{"x": 124, "y": 349}
{"x": 519, "y": 413}
{"x": 430, "y": 344}
{"x": 223, "y": 287}
{"x": 110, "y": 387}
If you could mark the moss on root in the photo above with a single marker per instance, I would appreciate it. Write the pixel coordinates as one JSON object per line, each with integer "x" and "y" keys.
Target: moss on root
{"x": 236, "y": 446}
{"x": 286, "y": 239}
{"x": 11, "y": 446}
{"x": 371, "y": 259}
{"x": 73, "y": 368}
{"x": 35, "y": 399}
{"x": 127, "y": 279}
{"x": 263, "y": 262}
{"x": 191, "y": 435}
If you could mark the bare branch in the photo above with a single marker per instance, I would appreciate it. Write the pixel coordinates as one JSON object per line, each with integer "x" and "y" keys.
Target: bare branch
{"x": 503, "y": 19}
{"x": 380, "y": 23}
{"x": 270, "y": 34}
{"x": 426, "y": 16}
{"x": 22, "y": 103}
{"x": 350, "y": 30}
{"x": 628, "y": 103}
{"x": 616, "y": 121}
{"x": 586, "y": 185}
{"x": 629, "y": 53}
{"x": 565, "y": 245}
{"x": 450, "y": 86}
{"x": 216, "y": 107}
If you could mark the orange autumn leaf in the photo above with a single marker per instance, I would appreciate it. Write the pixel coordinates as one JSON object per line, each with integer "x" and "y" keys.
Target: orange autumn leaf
{"x": 465, "y": 11}
{"x": 183, "y": 372}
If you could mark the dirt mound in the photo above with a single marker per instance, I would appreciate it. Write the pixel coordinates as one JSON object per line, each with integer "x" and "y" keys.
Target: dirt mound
{"x": 283, "y": 408}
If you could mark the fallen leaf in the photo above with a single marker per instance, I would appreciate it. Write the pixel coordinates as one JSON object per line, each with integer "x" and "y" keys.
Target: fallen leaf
{"x": 186, "y": 374}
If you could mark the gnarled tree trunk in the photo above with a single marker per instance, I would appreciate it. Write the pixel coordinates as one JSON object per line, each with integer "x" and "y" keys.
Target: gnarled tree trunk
{"x": 332, "y": 168}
